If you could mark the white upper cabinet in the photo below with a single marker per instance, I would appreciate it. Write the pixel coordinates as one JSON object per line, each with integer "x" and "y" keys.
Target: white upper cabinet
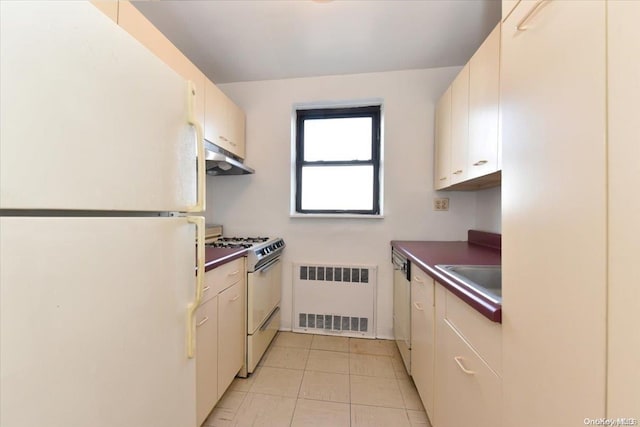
{"x": 460, "y": 126}
{"x": 224, "y": 123}
{"x": 443, "y": 142}
{"x": 237, "y": 120}
{"x": 468, "y": 152}
{"x": 484, "y": 97}
{"x": 215, "y": 114}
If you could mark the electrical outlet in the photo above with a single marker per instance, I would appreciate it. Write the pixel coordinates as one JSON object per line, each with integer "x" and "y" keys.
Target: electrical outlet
{"x": 441, "y": 204}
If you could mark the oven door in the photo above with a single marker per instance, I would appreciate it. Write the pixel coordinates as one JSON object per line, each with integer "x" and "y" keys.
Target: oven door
{"x": 263, "y": 293}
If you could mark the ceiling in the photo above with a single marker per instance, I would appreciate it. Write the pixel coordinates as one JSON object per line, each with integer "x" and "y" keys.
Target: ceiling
{"x": 246, "y": 40}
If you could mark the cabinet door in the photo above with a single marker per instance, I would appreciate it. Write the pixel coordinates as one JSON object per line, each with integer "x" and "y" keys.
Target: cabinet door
{"x": 442, "y": 157}
{"x": 507, "y": 7}
{"x": 206, "y": 358}
{"x": 237, "y": 129}
{"x": 623, "y": 42}
{"x": 460, "y": 126}
{"x": 423, "y": 338}
{"x": 231, "y": 334}
{"x": 136, "y": 24}
{"x": 471, "y": 393}
{"x": 484, "y": 97}
{"x": 554, "y": 185}
{"x": 215, "y": 110}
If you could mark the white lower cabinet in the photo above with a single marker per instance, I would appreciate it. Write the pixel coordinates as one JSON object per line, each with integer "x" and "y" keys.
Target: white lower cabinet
{"x": 206, "y": 358}
{"x": 220, "y": 334}
{"x": 470, "y": 391}
{"x": 423, "y": 337}
{"x": 231, "y": 335}
{"x": 455, "y": 357}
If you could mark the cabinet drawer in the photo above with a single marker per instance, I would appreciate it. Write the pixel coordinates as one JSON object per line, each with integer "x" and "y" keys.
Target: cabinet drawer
{"x": 471, "y": 394}
{"x": 220, "y": 278}
{"x": 484, "y": 335}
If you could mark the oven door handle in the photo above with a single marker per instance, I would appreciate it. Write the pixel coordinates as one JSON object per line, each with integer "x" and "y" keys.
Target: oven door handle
{"x": 268, "y": 265}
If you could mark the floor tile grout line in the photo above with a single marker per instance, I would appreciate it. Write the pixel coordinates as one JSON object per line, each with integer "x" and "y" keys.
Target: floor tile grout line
{"x": 304, "y": 371}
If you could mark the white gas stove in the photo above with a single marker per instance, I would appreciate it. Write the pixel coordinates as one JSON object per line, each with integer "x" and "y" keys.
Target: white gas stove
{"x": 260, "y": 250}
{"x": 264, "y": 283}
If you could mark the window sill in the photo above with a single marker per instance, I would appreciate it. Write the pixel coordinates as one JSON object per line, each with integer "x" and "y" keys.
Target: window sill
{"x": 336, "y": 216}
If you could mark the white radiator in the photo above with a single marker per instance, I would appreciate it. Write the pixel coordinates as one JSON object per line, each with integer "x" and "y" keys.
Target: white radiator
{"x": 334, "y": 299}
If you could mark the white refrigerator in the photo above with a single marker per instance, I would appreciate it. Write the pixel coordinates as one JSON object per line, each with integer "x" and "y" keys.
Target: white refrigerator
{"x": 99, "y": 170}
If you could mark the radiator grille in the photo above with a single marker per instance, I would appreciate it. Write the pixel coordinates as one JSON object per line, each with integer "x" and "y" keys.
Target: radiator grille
{"x": 334, "y": 299}
{"x": 332, "y": 322}
{"x": 334, "y": 274}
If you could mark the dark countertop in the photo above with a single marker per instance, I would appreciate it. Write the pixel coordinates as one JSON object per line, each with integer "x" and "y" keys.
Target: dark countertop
{"x": 481, "y": 249}
{"x": 215, "y": 257}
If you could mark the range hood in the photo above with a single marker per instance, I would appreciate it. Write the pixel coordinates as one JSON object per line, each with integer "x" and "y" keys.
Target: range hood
{"x": 220, "y": 162}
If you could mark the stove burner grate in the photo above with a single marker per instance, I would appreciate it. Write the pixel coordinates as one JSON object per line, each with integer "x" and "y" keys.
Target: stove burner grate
{"x": 229, "y": 245}
{"x": 243, "y": 239}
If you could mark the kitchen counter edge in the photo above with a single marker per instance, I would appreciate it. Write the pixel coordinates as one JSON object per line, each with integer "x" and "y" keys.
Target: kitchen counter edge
{"x": 215, "y": 257}
{"x": 426, "y": 254}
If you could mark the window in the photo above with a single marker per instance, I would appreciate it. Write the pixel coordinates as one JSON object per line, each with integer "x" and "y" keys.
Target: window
{"x": 338, "y": 160}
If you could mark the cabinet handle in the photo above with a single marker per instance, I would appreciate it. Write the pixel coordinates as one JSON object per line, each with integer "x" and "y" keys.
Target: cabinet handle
{"x": 418, "y": 306}
{"x": 234, "y": 273}
{"x": 458, "y": 360}
{"x": 418, "y": 279}
{"x": 480, "y": 162}
{"x": 234, "y": 298}
{"x": 191, "y": 309}
{"x": 205, "y": 289}
{"x": 521, "y": 25}
{"x": 443, "y": 178}
{"x": 459, "y": 171}
{"x": 203, "y": 321}
{"x": 201, "y": 167}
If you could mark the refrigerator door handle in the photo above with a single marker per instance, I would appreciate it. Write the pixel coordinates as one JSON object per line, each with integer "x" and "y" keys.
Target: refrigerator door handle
{"x": 193, "y": 121}
{"x": 191, "y": 310}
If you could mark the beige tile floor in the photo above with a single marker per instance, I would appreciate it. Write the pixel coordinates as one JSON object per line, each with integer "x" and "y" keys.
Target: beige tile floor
{"x": 317, "y": 380}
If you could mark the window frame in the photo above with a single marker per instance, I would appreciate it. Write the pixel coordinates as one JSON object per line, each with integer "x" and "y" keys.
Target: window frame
{"x": 372, "y": 111}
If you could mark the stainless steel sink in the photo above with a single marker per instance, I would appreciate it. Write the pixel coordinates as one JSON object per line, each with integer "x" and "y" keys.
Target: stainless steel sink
{"x": 486, "y": 279}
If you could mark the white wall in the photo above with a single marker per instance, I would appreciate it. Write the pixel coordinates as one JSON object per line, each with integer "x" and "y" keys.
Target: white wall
{"x": 488, "y": 214}
{"x": 260, "y": 204}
